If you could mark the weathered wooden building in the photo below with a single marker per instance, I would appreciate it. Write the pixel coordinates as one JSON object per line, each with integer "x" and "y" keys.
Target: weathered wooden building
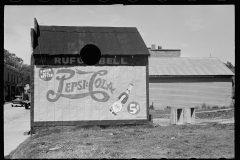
{"x": 66, "y": 91}
{"x": 161, "y": 53}
{"x": 10, "y": 82}
{"x": 189, "y": 82}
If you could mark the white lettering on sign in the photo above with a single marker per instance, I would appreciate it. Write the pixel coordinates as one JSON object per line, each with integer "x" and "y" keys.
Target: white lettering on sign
{"x": 46, "y": 74}
{"x": 78, "y": 60}
{"x": 57, "y": 60}
{"x": 102, "y": 61}
{"x": 67, "y": 60}
{"x": 115, "y": 61}
{"x": 109, "y": 61}
{"x": 72, "y": 59}
{"x": 122, "y": 61}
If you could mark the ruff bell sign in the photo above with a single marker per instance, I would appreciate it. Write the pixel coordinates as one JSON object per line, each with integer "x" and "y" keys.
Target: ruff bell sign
{"x": 77, "y": 60}
{"x": 66, "y": 91}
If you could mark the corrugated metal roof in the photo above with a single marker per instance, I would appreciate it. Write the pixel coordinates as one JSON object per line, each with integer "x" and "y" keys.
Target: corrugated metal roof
{"x": 57, "y": 40}
{"x": 185, "y": 66}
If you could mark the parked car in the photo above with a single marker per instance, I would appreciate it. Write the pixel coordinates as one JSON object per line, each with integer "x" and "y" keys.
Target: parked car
{"x": 26, "y": 104}
{"x": 17, "y": 101}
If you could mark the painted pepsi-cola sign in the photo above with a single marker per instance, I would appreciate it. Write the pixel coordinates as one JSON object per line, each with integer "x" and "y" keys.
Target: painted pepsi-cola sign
{"x": 46, "y": 73}
{"x": 89, "y": 93}
{"x": 69, "y": 88}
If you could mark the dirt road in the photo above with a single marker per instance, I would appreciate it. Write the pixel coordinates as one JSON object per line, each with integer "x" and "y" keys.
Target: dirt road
{"x": 16, "y": 122}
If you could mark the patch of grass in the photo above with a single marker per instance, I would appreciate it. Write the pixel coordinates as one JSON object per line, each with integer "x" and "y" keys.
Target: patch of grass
{"x": 43, "y": 133}
{"x": 215, "y": 107}
{"x": 7, "y": 157}
{"x": 204, "y": 106}
{"x": 132, "y": 141}
{"x": 225, "y": 107}
{"x": 151, "y": 106}
{"x": 197, "y": 107}
{"x": 231, "y": 106}
{"x": 211, "y": 115}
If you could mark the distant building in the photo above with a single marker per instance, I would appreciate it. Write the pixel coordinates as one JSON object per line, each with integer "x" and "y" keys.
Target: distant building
{"x": 192, "y": 81}
{"x": 159, "y": 52}
{"x": 10, "y": 82}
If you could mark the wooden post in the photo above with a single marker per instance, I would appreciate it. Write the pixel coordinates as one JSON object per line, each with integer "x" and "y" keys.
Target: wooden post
{"x": 176, "y": 116}
{"x": 189, "y": 115}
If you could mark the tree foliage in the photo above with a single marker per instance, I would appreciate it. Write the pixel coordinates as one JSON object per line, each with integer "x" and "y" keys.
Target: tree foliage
{"x": 230, "y": 66}
{"x": 17, "y": 62}
{"x": 11, "y": 59}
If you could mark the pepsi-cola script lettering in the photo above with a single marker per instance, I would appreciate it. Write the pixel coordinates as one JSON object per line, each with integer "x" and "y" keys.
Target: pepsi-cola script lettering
{"x": 80, "y": 85}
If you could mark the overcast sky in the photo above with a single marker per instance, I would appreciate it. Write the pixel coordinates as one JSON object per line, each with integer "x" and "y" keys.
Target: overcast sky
{"x": 197, "y": 30}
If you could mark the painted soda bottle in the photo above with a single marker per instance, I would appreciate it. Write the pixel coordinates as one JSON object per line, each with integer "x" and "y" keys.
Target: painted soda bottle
{"x": 122, "y": 99}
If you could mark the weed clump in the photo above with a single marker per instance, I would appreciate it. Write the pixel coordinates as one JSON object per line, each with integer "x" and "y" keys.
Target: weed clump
{"x": 204, "y": 106}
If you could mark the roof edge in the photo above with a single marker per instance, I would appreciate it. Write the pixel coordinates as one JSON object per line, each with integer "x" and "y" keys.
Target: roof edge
{"x": 88, "y": 29}
{"x": 155, "y": 76}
